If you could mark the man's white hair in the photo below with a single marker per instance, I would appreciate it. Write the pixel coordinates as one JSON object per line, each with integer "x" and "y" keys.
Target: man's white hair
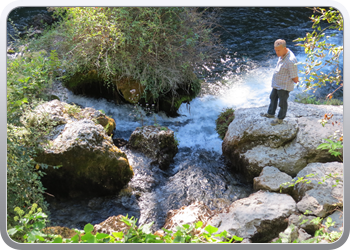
{"x": 280, "y": 42}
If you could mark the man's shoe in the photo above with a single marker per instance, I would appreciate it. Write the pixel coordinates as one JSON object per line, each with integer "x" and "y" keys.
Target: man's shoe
{"x": 276, "y": 122}
{"x": 267, "y": 115}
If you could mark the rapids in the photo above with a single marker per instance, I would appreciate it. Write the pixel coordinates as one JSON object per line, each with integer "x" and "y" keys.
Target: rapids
{"x": 241, "y": 79}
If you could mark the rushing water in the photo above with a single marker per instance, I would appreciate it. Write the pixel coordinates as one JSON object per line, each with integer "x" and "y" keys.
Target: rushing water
{"x": 240, "y": 80}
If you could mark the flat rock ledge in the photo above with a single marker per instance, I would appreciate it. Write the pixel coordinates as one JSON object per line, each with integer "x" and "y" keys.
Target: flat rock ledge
{"x": 251, "y": 143}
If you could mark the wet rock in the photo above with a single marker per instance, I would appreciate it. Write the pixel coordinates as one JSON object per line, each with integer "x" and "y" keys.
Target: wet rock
{"x": 110, "y": 225}
{"x": 322, "y": 193}
{"x": 271, "y": 179}
{"x": 95, "y": 202}
{"x": 155, "y": 142}
{"x": 259, "y": 217}
{"x": 191, "y": 214}
{"x": 251, "y": 143}
{"x": 119, "y": 142}
{"x": 90, "y": 162}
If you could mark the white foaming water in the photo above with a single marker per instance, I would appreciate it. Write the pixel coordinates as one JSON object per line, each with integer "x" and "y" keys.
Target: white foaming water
{"x": 195, "y": 127}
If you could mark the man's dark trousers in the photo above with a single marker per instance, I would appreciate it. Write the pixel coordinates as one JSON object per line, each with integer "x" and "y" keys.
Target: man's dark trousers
{"x": 282, "y": 96}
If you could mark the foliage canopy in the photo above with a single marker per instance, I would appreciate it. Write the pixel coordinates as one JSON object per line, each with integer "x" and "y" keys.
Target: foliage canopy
{"x": 323, "y": 63}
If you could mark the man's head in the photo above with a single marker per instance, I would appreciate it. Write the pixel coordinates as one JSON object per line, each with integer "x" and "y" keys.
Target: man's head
{"x": 281, "y": 47}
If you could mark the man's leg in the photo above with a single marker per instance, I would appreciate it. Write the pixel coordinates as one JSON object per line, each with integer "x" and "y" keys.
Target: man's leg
{"x": 283, "y": 104}
{"x": 273, "y": 102}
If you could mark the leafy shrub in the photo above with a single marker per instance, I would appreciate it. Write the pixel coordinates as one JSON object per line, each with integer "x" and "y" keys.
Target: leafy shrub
{"x": 30, "y": 225}
{"x": 161, "y": 48}
{"x": 28, "y": 75}
{"x": 223, "y": 121}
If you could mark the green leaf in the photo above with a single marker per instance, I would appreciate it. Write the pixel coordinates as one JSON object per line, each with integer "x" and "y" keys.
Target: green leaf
{"x": 40, "y": 238}
{"x": 236, "y": 238}
{"x": 118, "y": 235}
{"x": 101, "y": 236}
{"x": 88, "y": 228}
{"x": 87, "y": 236}
{"x": 210, "y": 229}
{"x": 179, "y": 239}
{"x": 75, "y": 238}
{"x": 199, "y": 224}
{"x": 167, "y": 231}
{"x": 13, "y": 231}
{"x": 57, "y": 240}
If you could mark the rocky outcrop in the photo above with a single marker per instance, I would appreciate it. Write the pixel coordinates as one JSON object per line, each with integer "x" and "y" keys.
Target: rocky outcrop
{"x": 268, "y": 213}
{"x": 259, "y": 217}
{"x": 156, "y": 142}
{"x": 90, "y": 162}
{"x": 323, "y": 192}
{"x": 318, "y": 188}
{"x": 251, "y": 143}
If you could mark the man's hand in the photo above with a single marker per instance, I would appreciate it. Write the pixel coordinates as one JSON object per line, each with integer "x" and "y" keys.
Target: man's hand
{"x": 295, "y": 79}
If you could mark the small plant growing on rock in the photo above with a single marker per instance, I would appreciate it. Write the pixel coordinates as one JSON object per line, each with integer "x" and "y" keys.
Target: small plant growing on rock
{"x": 223, "y": 121}
{"x": 72, "y": 110}
{"x": 334, "y": 144}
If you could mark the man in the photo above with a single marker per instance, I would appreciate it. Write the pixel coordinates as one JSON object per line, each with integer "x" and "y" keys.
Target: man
{"x": 284, "y": 77}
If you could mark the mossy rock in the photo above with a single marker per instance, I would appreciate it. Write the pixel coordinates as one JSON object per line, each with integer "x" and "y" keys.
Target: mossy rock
{"x": 131, "y": 90}
{"x": 108, "y": 123}
{"x": 223, "y": 121}
{"x": 78, "y": 80}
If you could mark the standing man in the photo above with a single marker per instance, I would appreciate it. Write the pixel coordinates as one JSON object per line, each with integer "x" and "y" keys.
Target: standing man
{"x": 284, "y": 77}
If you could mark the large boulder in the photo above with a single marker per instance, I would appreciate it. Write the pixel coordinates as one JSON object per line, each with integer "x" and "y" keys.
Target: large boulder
{"x": 323, "y": 190}
{"x": 259, "y": 217}
{"x": 251, "y": 143}
{"x": 156, "y": 142}
{"x": 90, "y": 163}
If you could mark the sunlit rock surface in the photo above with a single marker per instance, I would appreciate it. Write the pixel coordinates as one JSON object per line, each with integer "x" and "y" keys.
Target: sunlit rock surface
{"x": 259, "y": 217}
{"x": 251, "y": 143}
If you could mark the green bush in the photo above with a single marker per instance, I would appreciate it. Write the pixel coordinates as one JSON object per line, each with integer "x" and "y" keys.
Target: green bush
{"x": 28, "y": 75}
{"x": 160, "y": 48}
{"x": 223, "y": 121}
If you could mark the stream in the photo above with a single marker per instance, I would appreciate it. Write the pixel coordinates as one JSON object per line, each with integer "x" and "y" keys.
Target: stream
{"x": 241, "y": 79}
